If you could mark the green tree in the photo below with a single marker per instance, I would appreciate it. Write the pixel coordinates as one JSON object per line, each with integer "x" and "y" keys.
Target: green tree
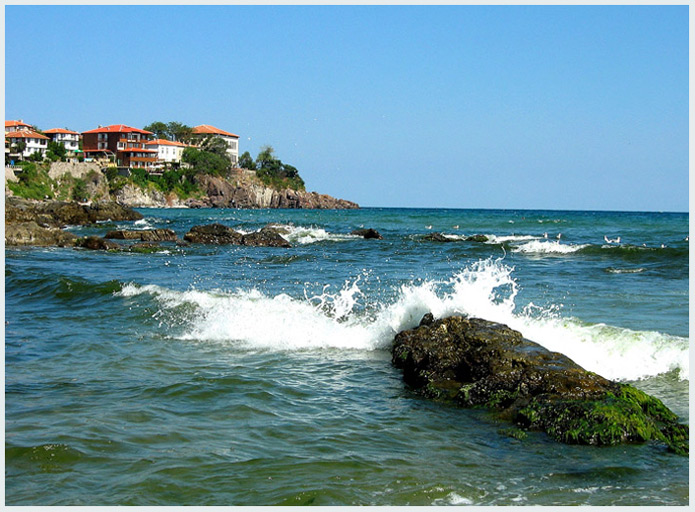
{"x": 205, "y": 162}
{"x": 216, "y": 145}
{"x": 159, "y": 129}
{"x": 56, "y": 151}
{"x": 179, "y": 132}
{"x": 246, "y": 161}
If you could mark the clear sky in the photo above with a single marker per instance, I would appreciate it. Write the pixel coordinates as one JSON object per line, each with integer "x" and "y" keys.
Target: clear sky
{"x": 554, "y": 107}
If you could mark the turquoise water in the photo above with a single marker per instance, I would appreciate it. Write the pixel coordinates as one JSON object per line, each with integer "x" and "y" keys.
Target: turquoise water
{"x": 227, "y": 375}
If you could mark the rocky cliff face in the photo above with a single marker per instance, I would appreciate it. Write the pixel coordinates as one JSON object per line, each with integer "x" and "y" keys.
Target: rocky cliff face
{"x": 221, "y": 193}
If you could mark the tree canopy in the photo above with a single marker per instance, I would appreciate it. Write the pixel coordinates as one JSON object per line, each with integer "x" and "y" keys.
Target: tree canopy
{"x": 170, "y": 131}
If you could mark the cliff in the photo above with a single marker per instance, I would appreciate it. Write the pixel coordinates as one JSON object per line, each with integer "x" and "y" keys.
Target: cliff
{"x": 241, "y": 189}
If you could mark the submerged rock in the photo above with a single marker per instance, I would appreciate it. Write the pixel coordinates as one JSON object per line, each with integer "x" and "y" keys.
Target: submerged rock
{"x": 96, "y": 243}
{"x": 438, "y": 237}
{"x": 145, "y": 235}
{"x": 368, "y": 234}
{"x": 477, "y": 363}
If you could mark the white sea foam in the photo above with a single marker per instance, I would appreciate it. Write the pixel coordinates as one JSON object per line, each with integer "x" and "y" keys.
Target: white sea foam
{"x": 486, "y": 289}
{"x": 310, "y": 234}
{"x": 548, "y": 247}
{"x": 494, "y": 239}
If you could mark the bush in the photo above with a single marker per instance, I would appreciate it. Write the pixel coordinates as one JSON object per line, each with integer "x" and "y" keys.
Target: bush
{"x": 79, "y": 190}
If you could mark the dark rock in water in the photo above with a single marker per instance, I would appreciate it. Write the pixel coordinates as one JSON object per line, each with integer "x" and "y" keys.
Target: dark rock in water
{"x": 478, "y": 363}
{"x": 111, "y": 211}
{"x": 97, "y": 243}
{"x": 477, "y": 238}
{"x": 213, "y": 234}
{"x": 438, "y": 237}
{"x": 123, "y": 235}
{"x": 368, "y": 234}
{"x": 31, "y": 234}
{"x": 146, "y": 235}
{"x": 266, "y": 237}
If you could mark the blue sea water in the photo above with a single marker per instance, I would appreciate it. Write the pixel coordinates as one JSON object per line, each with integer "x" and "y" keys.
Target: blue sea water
{"x": 229, "y": 375}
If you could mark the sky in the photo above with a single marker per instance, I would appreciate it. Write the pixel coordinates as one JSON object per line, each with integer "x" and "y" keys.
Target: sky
{"x": 545, "y": 107}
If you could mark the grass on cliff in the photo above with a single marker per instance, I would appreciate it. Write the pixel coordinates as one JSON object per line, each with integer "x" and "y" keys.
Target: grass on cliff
{"x": 33, "y": 182}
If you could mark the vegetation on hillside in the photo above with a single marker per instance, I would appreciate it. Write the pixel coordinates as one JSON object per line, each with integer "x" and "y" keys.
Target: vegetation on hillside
{"x": 271, "y": 170}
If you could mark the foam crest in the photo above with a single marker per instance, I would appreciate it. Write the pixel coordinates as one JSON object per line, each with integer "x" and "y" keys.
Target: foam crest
{"x": 548, "y": 247}
{"x": 350, "y": 319}
{"x": 304, "y": 235}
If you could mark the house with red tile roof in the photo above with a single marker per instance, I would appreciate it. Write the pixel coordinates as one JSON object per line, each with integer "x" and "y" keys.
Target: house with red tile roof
{"x": 16, "y": 126}
{"x": 33, "y": 142}
{"x": 202, "y": 131}
{"x": 68, "y": 138}
{"x": 124, "y": 145}
{"x": 169, "y": 152}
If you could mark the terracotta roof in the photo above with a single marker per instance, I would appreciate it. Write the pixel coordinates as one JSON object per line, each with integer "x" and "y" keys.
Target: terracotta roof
{"x": 118, "y": 128}
{"x": 25, "y": 134}
{"x": 61, "y": 130}
{"x": 207, "y": 129}
{"x": 10, "y": 124}
{"x": 164, "y": 142}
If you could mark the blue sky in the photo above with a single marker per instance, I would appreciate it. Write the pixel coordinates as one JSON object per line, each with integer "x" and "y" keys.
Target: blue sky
{"x": 549, "y": 107}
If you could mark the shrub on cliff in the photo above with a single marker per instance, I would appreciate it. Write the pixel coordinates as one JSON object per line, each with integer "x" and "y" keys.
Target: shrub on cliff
{"x": 206, "y": 162}
{"x": 275, "y": 174}
{"x": 33, "y": 182}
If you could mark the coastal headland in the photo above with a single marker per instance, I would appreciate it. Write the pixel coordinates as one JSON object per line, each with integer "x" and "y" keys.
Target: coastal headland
{"x": 88, "y": 182}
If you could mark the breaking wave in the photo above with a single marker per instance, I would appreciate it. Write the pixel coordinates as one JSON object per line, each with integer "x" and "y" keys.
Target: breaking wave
{"x": 350, "y": 319}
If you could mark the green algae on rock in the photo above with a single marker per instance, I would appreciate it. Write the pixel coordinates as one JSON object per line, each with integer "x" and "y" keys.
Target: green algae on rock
{"x": 478, "y": 363}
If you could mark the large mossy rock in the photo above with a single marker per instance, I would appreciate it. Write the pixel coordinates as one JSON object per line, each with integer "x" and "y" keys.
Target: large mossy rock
{"x": 478, "y": 363}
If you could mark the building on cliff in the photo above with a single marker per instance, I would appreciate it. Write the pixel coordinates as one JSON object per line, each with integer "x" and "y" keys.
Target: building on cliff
{"x": 33, "y": 142}
{"x": 68, "y": 138}
{"x": 201, "y": 132}
{"x": 124, "y": 145}
{"x": 169, "y": 152}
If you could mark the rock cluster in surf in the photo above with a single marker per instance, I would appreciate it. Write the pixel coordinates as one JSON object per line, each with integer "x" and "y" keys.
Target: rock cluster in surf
{"x": 478, "y": 363}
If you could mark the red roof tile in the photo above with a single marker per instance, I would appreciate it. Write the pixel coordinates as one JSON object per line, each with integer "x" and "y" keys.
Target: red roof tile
{"x": 11, "y": 124}
{"x": 61, "y": 130}
{"x": 118, "y": 128}
{"x": 25, "y": 134}
{"x": 207, "y": 129}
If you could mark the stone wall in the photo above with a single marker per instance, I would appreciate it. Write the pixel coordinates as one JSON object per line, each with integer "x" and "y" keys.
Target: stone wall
{"x": 75, "y": 169}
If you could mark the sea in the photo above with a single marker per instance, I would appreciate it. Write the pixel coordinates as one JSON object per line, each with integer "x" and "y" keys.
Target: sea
{"x": 232, "y": 375}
